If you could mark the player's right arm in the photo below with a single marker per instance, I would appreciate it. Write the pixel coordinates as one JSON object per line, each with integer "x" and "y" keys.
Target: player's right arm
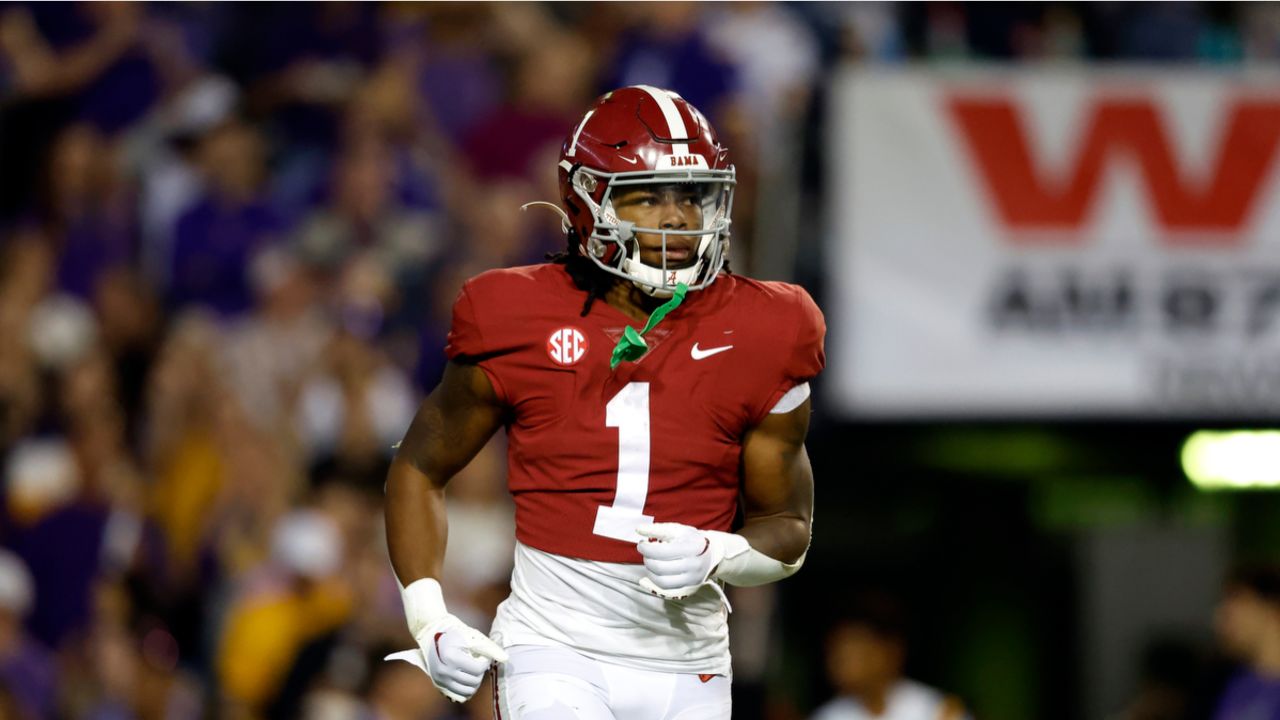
{"x": 452, "y": 425}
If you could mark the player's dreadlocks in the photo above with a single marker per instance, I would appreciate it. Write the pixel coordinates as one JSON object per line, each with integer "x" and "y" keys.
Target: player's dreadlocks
{"x": 586, "y": 276}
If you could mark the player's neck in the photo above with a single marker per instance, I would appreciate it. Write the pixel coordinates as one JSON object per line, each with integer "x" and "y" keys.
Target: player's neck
{"x": 632, "y": 301}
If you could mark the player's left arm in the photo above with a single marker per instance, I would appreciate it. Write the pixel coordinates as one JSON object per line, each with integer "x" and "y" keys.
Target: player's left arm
{"x": 777, "y": 494}
{"x": 777, "y": 486}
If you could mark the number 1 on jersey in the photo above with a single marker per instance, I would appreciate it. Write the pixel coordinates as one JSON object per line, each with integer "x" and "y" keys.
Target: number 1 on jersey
{"x": 629, "y": 412}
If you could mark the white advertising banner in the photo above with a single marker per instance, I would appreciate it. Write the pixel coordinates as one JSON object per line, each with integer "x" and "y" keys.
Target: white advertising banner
{"x": 1015, "y": 244}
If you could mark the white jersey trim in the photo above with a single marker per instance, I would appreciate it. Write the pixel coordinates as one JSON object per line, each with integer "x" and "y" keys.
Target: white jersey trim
{"x": 792, "y": 400}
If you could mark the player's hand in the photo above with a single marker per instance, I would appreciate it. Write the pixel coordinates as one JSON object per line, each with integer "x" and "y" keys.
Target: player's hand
{"x": 454, "y": 655}
{"x": 458, "y": 656}
{"x": 678, "y": 559}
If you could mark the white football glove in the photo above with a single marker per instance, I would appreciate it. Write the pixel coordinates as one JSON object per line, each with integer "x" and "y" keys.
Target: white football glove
{"x": 454, "y": 655}
{"x": 678, "y": 559}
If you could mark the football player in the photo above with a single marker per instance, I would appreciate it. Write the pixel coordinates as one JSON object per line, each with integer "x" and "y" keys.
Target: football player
{"x": 646, "y": 392}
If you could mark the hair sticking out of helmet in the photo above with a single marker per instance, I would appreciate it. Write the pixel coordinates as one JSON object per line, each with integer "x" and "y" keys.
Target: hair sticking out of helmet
{"x": 644, "y": 139}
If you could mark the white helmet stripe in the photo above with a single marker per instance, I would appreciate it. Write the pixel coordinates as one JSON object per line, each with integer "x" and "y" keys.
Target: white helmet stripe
{"x": 573, "y": 146}
{"x": 669, "y": 110}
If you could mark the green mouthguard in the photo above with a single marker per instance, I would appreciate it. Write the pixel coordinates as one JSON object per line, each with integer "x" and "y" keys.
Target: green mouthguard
{"x": 632, "y": 346}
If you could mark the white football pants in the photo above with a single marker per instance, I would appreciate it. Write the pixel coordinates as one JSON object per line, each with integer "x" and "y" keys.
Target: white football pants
{"x": 551, "y": 683}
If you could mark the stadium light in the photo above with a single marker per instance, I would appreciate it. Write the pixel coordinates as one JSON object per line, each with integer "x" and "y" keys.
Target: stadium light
{"x": 1232, "y": 460}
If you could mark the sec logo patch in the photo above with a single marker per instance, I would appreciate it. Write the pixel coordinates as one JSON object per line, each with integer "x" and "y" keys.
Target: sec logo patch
{"x": 566, "y": 346}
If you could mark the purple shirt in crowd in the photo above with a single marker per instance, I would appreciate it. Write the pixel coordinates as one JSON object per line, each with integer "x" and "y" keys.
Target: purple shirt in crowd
{"x": 213, "y": 246}
{"x": 63, "y": 550}
{"x": 89, "y": 249}
{"x": 1250, "y": 696}
{"x": 30, "y": 674}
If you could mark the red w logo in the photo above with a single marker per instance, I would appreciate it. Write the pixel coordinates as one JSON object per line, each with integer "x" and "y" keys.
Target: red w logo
{"x": 1028, "y": 197}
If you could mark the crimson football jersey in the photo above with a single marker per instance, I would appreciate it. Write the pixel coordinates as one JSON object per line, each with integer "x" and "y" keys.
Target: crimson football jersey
{"x": 593, "y": 452}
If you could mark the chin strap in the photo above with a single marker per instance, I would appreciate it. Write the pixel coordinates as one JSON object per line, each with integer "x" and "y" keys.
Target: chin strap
{"x": 632, "y": 346}
{"x": 564, "y": 217}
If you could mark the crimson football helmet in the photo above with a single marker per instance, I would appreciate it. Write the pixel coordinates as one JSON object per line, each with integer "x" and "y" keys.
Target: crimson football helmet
{"x": 644, "y": 135}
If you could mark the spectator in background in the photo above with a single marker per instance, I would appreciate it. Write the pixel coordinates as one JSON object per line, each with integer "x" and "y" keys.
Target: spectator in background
{"x": 77, "y": 505}
{"x": 181, "y": 442}
{"x": 27, "y": 668}
{"x": 512, "y": 153}
{"x": 457, "y": 73}
{"x": 126, "y": 665}
{"x": 869, "y": 32}
{"x": 296, "y": 597}
{"x": 333, "y": 670}
{"x": 272, "y": 351}
{"x": 58, "y": 533}
{"x": 62, "y": 62}
{"x": 667, "y": 46}
{"x": 130, "y": 331}
{"x": 550, "y": 81}
{"x": 85, "y": 213}
{"x": 357, "y": 405}
{"x": 1248, "y": 626}
{"x": 20, "y": 391}
{"x": 366, "y": 217}
{"x": 26, "y": 270}
{"x": 220, "y": 480}
{"x": 217, "y": 237}
{"x": 301, "y": 64}
{"x": 262, "y": 477}
{"x": 777, "y": 57}
{"x": 411, "y": 227}
{"x": 41, "y": 476}
{"x": 866, "y": 656}
{"x": 165, "y": 157}
{"x": 94, "y": 54}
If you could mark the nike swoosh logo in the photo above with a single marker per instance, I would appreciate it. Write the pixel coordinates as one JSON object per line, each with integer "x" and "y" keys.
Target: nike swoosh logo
{"x": 632, "y": 159}
{"x": 699, "y": 354}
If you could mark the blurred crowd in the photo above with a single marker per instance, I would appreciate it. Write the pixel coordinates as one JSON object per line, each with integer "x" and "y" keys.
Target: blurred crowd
{"x": 230, "y": 238}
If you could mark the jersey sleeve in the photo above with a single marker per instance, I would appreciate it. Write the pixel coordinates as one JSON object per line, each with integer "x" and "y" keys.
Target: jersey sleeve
{"x": 472, "y": 335}
{"x": 465, "y": 341}
{"x": 808, "y": 355}
{"x": 805, "y": 356}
